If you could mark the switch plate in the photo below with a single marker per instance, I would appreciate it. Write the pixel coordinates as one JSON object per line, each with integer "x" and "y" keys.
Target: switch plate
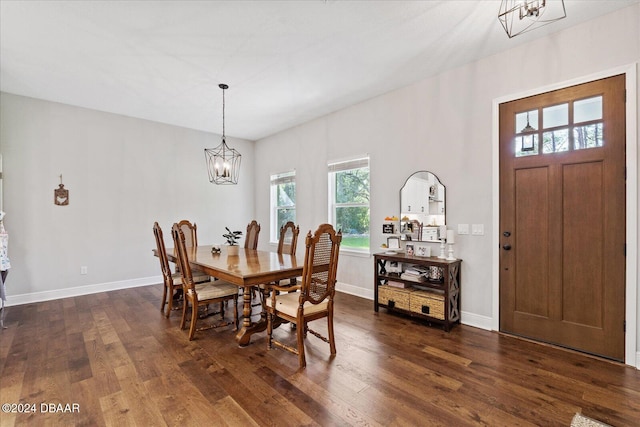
{"x": 83, "y": 270}
{"x": 463, "y": 228}
{"x": 477, "y": 229}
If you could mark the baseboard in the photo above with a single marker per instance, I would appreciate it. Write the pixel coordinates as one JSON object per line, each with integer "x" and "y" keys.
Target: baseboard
{"x": 80, "y": 290}
{"x": 469, "y": 319}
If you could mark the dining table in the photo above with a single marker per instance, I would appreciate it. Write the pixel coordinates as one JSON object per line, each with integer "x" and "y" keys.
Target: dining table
{"x": 251, "y": 267}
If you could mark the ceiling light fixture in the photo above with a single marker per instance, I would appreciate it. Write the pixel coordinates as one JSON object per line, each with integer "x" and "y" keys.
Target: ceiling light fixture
{"x": 520, "y": 16}
{"x": 223, "y": 163}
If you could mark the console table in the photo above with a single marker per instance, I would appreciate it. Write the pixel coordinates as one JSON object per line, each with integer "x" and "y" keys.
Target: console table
{"x": 436, "y": 300}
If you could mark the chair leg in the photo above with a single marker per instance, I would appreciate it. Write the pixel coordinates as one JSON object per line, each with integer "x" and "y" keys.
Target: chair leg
{"x": 170, "y": 305}
{"x": 332, "y": 342}
{"x": 164, "y": 299}
{"x": 183, "y": 321}
{"x": 235, "y": 311}
{"x": 269, "y": 330}
{"x": 194, "y": 318}
{"x": 301, "y": 334}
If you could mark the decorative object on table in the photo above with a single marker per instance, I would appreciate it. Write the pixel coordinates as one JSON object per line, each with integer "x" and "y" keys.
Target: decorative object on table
{"x": 215, "y": 249}
{"x": 520, "y": 16}
{"x": 424, "y": 251}
{"x": 393, "y": 243}
{"x": 443, "y": 237}
{"x": 232, "y": 240}
{"x": 387, "y": 228}
{"x": 450, "y": 242}
{"x": 436, "y": 274}
{"x": 409, "y": 249}
{"x": 223, "y": 162}
{"x": 61, "y": 195}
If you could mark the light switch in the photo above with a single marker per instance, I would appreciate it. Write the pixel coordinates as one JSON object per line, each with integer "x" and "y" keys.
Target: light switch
{"x": 477, "y": 229}
{"x": 463, "y": 228}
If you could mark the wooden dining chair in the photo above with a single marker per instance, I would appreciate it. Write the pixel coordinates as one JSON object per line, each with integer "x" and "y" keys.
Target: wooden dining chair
{"x": 253, "y": 232}
{"x": 314, "y": 297}
{"x": 287, "y": 243}
{"x": 190, "y": 232}
{"x": 196, "y": 295}
{"x": 288, "y": 238}
{"x": 172, "y": 281}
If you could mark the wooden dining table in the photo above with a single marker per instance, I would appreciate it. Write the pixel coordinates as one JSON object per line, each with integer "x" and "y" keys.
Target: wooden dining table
{"x": 249, "y": 268}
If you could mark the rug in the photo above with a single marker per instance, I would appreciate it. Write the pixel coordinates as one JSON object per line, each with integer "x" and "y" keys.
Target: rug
{"x": 580, "y": 420}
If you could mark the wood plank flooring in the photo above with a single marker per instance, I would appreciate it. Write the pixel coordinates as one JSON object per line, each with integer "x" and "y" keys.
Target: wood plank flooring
{"x": 122, "y": 363}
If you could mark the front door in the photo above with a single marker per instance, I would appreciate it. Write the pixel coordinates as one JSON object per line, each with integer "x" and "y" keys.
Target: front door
{"x": 562, "y": 217}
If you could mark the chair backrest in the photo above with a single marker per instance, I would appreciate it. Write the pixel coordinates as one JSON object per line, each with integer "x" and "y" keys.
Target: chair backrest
{"x": 320, "y": 264}
{"x": 288, "y": 238}
{"x": 190, "y": 232}
{"x": 251, "y": 239}
{"x": 162, "y": 253}
{"x": 183, "y": 259}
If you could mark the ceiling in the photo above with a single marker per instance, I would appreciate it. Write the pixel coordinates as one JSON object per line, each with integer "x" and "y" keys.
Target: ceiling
{"x": 286, "y": 62}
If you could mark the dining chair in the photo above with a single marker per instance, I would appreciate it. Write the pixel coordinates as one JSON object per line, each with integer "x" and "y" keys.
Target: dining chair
{"x": 196, "y": 295}
{"x": 253, "y": 232}
{"x": 288, "y": 242}
{"x": 190, "y": 232}
{"x": 288, "y": 238}
{"x": 172, "y": 281}
{"x": 315, "y": 292}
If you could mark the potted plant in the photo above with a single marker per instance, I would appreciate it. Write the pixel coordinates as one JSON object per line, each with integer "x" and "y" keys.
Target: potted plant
{"x": 232, "y": 240}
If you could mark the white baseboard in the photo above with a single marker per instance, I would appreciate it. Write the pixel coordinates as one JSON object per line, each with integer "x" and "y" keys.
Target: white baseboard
{"x": 80, "y": 290}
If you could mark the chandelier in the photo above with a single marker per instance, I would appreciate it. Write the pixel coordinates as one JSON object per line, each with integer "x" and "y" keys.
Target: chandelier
{"x": 520, "y": 16}
{"x": 223, "y": 162}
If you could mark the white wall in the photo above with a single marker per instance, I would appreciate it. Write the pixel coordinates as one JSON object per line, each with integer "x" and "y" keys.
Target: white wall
{"x": 442, "y": 124}
{"x": 122, "y": 175}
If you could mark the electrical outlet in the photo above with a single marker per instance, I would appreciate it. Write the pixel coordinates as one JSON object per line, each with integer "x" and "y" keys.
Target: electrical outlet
{"x": 463, "y": 228}
{"x": 477, "y": 229}
{"x": 83, "y": 269}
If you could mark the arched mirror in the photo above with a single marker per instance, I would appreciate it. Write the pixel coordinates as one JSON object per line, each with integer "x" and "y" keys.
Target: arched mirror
{"x": 422, "y": 207}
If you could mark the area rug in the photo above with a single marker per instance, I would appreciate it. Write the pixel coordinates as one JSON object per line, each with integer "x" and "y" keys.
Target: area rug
{"x": 580, "y": 420}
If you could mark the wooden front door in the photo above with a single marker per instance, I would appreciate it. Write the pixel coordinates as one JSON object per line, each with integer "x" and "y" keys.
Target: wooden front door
{"x": 562, "y": 217}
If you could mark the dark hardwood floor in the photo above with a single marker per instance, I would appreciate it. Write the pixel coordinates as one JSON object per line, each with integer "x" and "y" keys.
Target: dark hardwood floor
{"x": 122, "y": 363}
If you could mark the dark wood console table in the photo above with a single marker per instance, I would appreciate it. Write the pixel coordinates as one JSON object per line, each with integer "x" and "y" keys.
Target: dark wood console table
{"x": 436, "y": 300}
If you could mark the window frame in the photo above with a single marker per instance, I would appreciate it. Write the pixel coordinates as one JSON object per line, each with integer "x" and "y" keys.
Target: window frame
{"x": 275, "y": 180}
{"x": 333, "y": 168}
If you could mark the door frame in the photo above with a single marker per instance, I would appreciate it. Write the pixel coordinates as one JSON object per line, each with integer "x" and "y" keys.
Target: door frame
{"x": 632, "y": 354}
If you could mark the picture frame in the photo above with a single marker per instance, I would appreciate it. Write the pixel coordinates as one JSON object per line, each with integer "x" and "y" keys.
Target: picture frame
{"x": 393, "y": 243}
{"x": 423, "y": 251}
{"x": 409, "y": 249}
{"x": 387, "y": 228}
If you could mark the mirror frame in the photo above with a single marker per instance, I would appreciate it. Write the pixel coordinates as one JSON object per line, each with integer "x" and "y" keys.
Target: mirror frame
{"x": 444, "y": 189}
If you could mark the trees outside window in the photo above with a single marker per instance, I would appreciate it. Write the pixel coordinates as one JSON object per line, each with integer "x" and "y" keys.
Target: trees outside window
{"x": 349, "y": 195}
{"x": 283, "y": 202}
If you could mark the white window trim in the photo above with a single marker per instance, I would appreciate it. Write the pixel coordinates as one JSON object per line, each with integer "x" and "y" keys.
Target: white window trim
{"x": 275, "y": 179}
{"x": 345, "y": 165}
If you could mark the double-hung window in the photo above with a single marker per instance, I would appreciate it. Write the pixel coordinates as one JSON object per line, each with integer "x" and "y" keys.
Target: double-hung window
{"x": 283, "y": 201}
{"x": 349, "y": 202}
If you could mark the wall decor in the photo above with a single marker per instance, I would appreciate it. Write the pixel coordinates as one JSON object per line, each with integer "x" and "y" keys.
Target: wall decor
{"x": 61, "y": 195}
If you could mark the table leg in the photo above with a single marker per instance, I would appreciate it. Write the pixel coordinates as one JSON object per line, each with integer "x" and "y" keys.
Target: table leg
{"x": 243, "y": 337}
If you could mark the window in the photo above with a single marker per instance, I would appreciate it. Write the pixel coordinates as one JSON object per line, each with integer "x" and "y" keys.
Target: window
{"x": 576, "y": 125}
{"x": 349, "y": 202}
{"x": 283, "y": 201}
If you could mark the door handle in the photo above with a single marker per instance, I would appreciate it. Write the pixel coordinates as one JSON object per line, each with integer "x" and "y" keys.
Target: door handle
{"x": 506, "y": 247}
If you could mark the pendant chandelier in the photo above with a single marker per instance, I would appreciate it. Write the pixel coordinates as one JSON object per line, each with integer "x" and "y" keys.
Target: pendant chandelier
{"x": 223, "y": 162}
{"x": 520, "y": 16}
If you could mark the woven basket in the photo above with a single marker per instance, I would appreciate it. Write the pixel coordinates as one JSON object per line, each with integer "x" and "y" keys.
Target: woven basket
{"x": 427, "y": 303}
{"x": 394, "y": 297}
